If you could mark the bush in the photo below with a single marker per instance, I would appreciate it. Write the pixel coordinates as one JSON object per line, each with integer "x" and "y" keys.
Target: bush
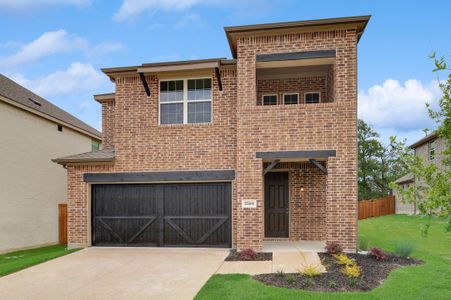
{"x": 310, "y": 271}
{"x": 290, "y": 278}
{"x": 363, "y": 243}
{"x": 351, "y": 271}
{"x": 404, "y": 248}
{"x": 333, "y": 248}
{"x": 248, "y": 254}
{"x": 378, "y": 254}
{"x": 343, "y": 259}
{"x": 280, "y": 273}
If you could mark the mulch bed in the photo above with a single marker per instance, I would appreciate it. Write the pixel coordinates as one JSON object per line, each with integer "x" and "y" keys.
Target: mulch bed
{"x": 373, "y": 274}
{"x": 261, "y": 256}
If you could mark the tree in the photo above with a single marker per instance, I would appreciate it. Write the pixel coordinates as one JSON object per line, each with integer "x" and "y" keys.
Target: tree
{"x": 378, "y": 164}
{"x": 431, "y": 191}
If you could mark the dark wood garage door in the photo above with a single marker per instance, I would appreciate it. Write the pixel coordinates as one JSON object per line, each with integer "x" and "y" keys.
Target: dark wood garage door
{"x": 191, "y": 214}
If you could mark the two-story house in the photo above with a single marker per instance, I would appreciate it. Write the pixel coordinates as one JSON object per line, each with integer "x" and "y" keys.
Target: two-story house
{"x": 430, "y": 149}
{"x": 228, "y": 152}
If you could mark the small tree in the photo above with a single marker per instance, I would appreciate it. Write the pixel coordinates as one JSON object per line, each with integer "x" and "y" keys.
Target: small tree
{"x": 431, "y": 191}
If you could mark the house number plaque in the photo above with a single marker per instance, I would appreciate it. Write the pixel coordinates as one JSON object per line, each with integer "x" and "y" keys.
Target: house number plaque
{"x": 249, "y": 203}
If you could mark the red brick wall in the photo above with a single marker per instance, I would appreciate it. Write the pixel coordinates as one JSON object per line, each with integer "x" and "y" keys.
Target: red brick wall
{"x": 296, "y": 85}
{"x": 239, "y": 129}
{"x": 107, "y": 124}
{"x": 299, "y": 127}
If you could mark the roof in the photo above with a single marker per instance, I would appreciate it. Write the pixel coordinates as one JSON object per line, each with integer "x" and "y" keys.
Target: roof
{"x": 359, "y": 22}
{"x": 405, "y": 179}
{"x": 26, "y": 99}
{"x": 424, "y": 140}
{"x": 168, "y": 66}
{"x": 105, "y": 97}
{"x": 104, "y": 155}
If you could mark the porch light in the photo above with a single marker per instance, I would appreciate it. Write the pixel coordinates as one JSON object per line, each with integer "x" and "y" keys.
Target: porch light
{"x": 302, "y": 188}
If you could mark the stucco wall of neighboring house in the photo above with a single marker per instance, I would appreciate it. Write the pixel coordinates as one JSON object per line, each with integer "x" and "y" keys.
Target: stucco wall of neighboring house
{"x": 31, "y": 185}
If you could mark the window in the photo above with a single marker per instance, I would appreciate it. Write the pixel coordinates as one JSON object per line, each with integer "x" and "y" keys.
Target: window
{"x": 431, "y": 148}
{"x": 185, "y": 101}
{"x": 312, "y": 97}
{"x": 269, "y": 99}
{"x": 60, "y": 127}
{"x": 95, "y": 145}
{"x": 291, "y": 98}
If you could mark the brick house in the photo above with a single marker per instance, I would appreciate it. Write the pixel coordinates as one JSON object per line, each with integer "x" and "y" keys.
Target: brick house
{"x": 228, "y": 152}
{"x": 430, "y": 148}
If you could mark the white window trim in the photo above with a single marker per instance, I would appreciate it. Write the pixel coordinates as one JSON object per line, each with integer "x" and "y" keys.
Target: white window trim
{"x": 430, "y": 149}
{"x": 185, "y": 100}
{"x": 289, "y": 93}
{"x": 263, "y": 97}
{"x": 312, "y": 92}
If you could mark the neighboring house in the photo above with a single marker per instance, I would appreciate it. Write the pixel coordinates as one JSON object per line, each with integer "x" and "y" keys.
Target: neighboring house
{"x": 228, "y": 152}
{"x": 430, "y": 149}
{"x": 32, "y": 132}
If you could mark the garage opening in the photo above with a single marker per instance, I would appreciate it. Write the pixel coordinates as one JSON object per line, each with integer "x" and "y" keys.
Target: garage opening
{"x": 175, "y": 214}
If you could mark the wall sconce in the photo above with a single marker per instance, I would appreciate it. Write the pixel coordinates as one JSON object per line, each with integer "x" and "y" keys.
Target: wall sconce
{"x": 302, "y": 188}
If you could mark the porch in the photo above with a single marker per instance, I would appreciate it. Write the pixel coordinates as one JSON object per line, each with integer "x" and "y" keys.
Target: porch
{"x": 295, "y": 191}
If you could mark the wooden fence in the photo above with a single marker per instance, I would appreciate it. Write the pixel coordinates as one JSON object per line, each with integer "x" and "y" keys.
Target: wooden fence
{"x": 376, "y": 207}
{"x": 62, "y": 216}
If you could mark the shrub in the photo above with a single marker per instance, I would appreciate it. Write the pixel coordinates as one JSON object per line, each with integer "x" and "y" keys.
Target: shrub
{"x": 310, "y": 271}
{"x": 290, "y": 278}
{"x": 332, "y": 284}
{"x": 343, "y": 259}
{"x": 378, "y": 254}
{"x": 404, "y": 249}
{"x": 333, "y": 248}
{"x": 280, "y": 273}
{"x": 248, "y": 254}
{"x": 309, "y": 282}
{"x": 363, "y": 243}
{"x": 351, "y": 271}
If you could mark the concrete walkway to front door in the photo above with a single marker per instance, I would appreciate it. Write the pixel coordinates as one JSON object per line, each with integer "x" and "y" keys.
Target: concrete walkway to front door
{"x": 286, "y": 261}
{"x": 116, "y": 273}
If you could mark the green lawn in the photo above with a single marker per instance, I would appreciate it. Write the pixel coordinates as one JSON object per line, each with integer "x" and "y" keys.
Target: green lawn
{"x": 429, "y": 281}
{"x": 15, "y": 261}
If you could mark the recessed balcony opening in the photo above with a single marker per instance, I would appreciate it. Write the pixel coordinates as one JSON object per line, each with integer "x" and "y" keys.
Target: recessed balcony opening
{"x": 295, "y": 78}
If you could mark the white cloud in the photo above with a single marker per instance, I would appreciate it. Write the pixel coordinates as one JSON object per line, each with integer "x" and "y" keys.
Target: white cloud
{"x": 105, "y": 47}
{"x": 399, "y": 107}
{"x": 132, "y": 8}
{"x": 26, "y": 4}
{"x": 47, "y": 44}
{"x": 78, "y": 77}
{"x": 188, "y": 20}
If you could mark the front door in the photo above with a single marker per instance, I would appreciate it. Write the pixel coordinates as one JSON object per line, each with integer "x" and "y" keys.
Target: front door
{"x": 276, "y": 204}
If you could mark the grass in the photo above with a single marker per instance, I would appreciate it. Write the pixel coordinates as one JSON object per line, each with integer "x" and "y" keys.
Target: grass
{"x": 18, "y": 260}
{"x": 428, "y": 281}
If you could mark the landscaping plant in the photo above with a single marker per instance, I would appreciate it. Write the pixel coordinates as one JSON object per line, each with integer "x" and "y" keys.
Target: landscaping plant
{"x": 290, "y": 278}
{"x": 363, "y": 243}
{"x": 248, "y": 254}
{"x": 310, "y": 271}
{"x": 333, "y": 248}
{"x": 378, "y": 254}
{"x": 343, "y": 259}
{"x": 404, "y": 248}
{"x": 280, "y": 273}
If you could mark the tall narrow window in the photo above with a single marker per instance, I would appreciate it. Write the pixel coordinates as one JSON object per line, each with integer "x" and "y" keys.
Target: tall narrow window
{"x": 269, "y": 99}
{"x": 199, "y": 100}
{"x": 312, "y": 97}
{"x": 431, "y": 148}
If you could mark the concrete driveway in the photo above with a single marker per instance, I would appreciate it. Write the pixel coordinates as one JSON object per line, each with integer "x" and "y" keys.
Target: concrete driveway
{"x": 116, "y": 273}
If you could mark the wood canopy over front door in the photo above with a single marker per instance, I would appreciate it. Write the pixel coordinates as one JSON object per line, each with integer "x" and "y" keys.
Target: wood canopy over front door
{"x": 276, "y": 204}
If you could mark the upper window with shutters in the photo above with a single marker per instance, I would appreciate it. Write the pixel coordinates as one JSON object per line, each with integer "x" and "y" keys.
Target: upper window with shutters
{"x": 185, "y": 101}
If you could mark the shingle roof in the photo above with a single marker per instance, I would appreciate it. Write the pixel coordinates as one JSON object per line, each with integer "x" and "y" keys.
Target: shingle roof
{"x": 405, "y": 178}
{"x": 17, "y": 93}
{"x": 424, "y": 140}
{"x": 104, "y": 155}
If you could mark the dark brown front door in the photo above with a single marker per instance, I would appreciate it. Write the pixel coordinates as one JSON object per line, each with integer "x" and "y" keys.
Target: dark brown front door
{"x": 276, "y": 204}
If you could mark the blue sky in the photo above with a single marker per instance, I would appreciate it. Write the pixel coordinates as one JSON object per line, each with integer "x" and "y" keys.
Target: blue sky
{"x": 57, "y": 47}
